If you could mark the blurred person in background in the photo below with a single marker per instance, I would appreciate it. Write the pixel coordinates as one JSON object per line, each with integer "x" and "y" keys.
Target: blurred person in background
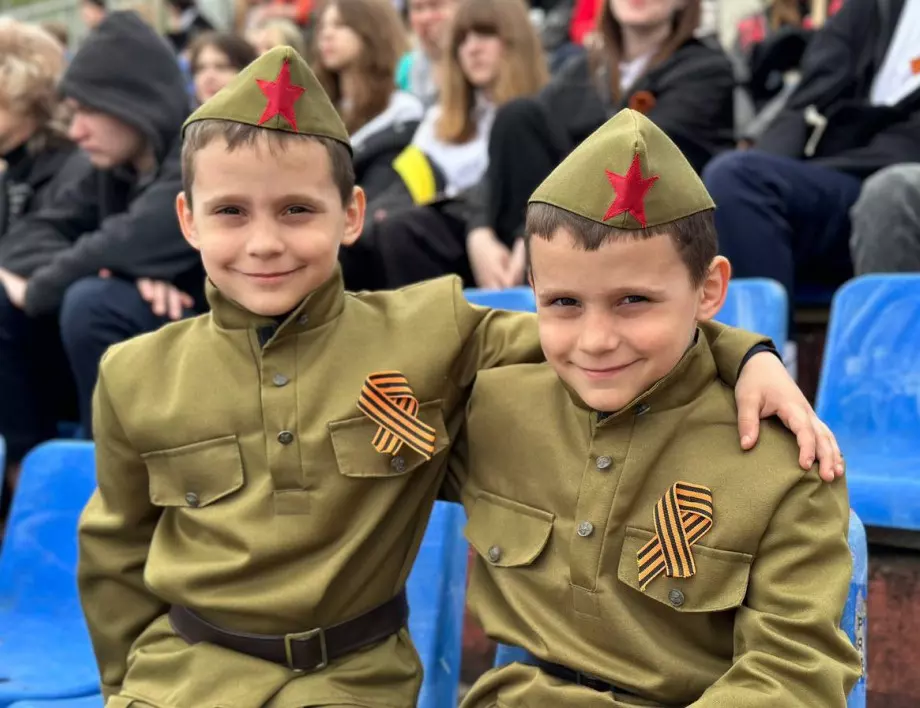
{"x": 92, "y": 12}
{"x": 357, "y": 46}
{"x": 37, "y": 160}
{"x": 429, "y": 22}
{"x": 278, "y": 32}
{"x": 57, "y": 314}
{"x": 646, "y": 57}
{"x": 215, "y": 58}
{"x": 493, "y": 56}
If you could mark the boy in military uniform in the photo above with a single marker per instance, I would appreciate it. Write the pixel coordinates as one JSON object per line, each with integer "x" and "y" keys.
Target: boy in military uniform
{"x": 266, "y": 471}
{"x": 621, "y": 536}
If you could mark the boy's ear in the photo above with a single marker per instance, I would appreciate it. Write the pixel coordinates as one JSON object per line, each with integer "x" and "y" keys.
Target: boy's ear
{"x": 354, "y": 216}
{"x": 714, "y": 289}
{"x": 186, "y": 220}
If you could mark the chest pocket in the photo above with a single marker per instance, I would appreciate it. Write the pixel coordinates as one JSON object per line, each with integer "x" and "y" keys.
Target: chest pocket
{"x": 195, "y": 475}
{"x": 356, "y": 456}
{"x": 720, "y": 582}
{"x": 506, "y": 533}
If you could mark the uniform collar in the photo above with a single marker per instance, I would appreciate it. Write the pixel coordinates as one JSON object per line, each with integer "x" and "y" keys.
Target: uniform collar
{"x": 684, "y": 383}
{"x": 318, "y": 308}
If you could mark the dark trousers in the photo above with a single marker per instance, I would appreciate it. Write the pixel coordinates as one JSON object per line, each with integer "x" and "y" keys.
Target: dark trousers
{"x": 782, "y": 218}
{"x": 48, "y": 366}
{"x": 525, "y": 145}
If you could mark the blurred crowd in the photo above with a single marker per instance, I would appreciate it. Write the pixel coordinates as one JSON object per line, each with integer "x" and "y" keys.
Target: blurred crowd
{"x": 806, "y": 131}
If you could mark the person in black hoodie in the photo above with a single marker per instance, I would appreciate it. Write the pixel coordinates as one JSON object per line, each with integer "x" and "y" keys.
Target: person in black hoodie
{"x": 784, "y": 207}
{"x": 128, "y": 99}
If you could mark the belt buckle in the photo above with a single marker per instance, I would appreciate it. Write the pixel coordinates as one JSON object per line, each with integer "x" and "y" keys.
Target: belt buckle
{"x": 300, "y": 636}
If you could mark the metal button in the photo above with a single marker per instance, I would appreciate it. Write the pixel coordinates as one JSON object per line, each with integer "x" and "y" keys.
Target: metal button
{"x": 280, "y": 379}
{"x": 285, "y": 437}
{"x": 495, "y": 554}
{"x": 604, "y": 462}
{"x": 642, "y": 408}
{"x": 676, "y": 598}
{"x": 398, "y": 464}
{"x": 303, "y": 319}
{"x": 585, "y": 529}
{"x": 191, "y": 499}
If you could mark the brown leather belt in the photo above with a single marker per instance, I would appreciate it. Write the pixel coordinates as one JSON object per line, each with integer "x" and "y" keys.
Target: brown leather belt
{"x": 301, "y": 651}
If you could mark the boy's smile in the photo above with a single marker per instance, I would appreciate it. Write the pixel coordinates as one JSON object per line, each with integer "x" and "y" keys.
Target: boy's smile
{"x": 616, "y": 320}
{"x": 268, "y": 220}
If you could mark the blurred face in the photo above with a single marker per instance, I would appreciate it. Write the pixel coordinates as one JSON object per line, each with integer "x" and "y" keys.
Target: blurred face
{"x": 429, "y": 21}
{"x": 268, "y": 230}
{"x": 644, "y": 14}
{"x": 15, "y": 129}
{"x": 480, "y": 57}
{"x": 213, "y": 71}
{"x": 616, "y": 320}
{"x": 106, "y": 140}
{"x": 339, "y": 45}
{"x": 91, "y": 14}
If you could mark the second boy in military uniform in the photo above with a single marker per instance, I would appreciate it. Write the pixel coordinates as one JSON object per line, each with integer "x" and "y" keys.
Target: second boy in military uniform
{"x": 623, "y": 539}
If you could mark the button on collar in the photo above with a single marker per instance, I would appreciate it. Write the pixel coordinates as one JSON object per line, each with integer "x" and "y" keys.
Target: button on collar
{"x": 495, "y": 554}
{"x": 192, "y": 499}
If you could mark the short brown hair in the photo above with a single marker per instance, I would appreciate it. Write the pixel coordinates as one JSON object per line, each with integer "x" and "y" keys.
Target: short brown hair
{"x": 199, "y": 134}
{"x": 694, "y": 236}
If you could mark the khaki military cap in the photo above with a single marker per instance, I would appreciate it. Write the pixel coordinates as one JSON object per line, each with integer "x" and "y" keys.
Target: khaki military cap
{"x": 277, "y": 91}
{"x": 627, "y": 175}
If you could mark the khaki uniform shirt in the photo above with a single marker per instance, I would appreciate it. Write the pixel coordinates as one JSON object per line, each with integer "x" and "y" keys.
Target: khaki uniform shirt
{"x": 558, "y": 509}
{"x": 236, "y": 476}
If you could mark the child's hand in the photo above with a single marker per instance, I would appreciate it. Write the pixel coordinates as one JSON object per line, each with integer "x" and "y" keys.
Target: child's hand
{"x": 765, "y": 389}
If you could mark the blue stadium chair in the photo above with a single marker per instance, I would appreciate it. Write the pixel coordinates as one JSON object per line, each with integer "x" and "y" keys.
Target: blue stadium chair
{"x": 84, "y": 702}
{"x": 44, "y": 646}
{"x": 437, "y": 595}
{"x": 758, "y": 305}
{"x": 519, "y": 299}
{"x": 869, "y": 395}
{"x": 854, "y": 621}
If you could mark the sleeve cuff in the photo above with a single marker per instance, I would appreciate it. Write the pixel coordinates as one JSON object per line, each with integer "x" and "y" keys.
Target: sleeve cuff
{"x": 757, "y": 349}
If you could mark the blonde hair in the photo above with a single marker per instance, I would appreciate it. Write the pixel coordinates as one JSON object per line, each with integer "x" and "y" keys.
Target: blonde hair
{"x": 31, "y": 64}
{"x": 522, "y": 70}
{"x": 383, "y": 42}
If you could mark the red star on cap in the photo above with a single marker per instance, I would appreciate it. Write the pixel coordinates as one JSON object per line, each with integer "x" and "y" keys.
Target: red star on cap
{"x": 630, "y": 190}
{"x": 281, "y": 95}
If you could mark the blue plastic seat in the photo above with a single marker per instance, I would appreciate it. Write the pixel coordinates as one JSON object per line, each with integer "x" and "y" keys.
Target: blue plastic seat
{"x": 84, "y": 702}
{"x": 437, "y": 597}
{"x": 519, "y": 299}
{"x": 869, "y": 395}
{"x": 854, "y": 621}
{"x": 45, "y": 651}
{"x": 758, "y": 305}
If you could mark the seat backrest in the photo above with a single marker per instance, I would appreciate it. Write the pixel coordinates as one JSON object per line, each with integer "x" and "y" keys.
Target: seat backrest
{"x": 758, "y": 305}
{"x": 437, "y": 594}
{"x": 869, "y": 387}
{"x": 520, "y": 299}
{"x": 39, "y": 553}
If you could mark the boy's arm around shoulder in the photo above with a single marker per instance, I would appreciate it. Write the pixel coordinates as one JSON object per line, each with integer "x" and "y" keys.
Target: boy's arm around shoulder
{"x": 114, "y": 538}
{"x": 730, "y": 347}
{"x": 789, "y": 649}
{"x": 490, "y": 338}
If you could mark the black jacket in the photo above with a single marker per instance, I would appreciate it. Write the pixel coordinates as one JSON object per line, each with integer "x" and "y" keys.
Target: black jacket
{"x": 31, "y": 182}
{"x": 113, "y": 219}
{"x": 693, "y": 94}
{"x": 838, "y": 69}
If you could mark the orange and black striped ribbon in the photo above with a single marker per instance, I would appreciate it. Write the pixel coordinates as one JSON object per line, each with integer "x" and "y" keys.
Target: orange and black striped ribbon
{"x": 682, "y": 517}
{"x": 387, "y": 399}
